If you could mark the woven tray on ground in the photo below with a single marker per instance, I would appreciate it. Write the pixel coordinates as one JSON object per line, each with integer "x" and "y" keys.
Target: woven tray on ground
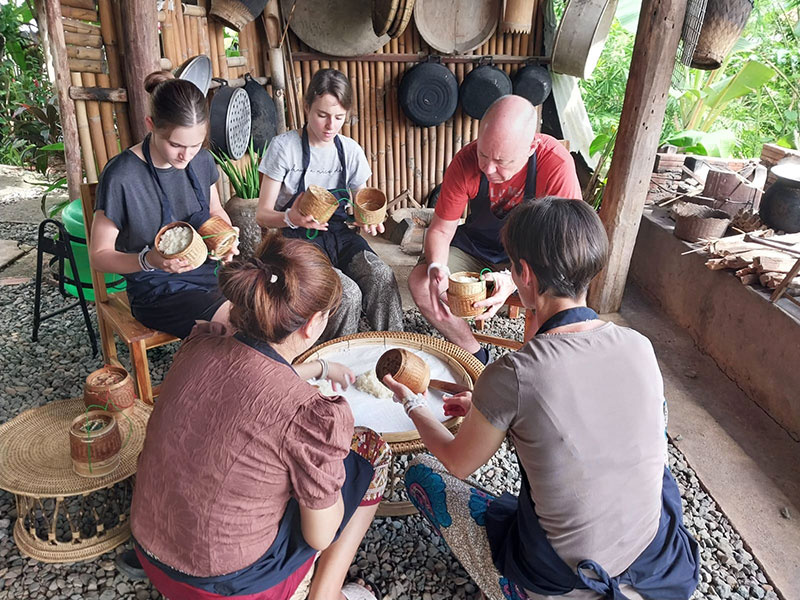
{"x": 34, "y": 450}
{"x": 406, "y": 442}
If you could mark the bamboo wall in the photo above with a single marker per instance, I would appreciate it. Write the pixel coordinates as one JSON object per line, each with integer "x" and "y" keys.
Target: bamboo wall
{"x": 402, "y": 155}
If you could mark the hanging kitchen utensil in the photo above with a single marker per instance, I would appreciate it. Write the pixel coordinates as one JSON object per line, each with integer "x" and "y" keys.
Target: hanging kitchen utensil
{"x": 456, "y": 26}
{"x": 581, "y": 36}
{"x": 405, "y": 10}
{"x": 263, "y": 116}
{"x": 335, "y": 27}
{"x": 237, "y": 13}
{"x": 532, "y": 82}
{"x": 722, "y": 25}
{"x": 428, "y": 94}
{"x": 482, "y": 86}
{"x": 197, "y": 70}
{"x": 383, "y": 13}
{"x": 230, "y": 120}
{"x": 517, "y": 16}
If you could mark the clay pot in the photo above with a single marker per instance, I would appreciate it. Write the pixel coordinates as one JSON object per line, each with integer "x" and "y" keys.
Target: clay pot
{"x": 462, "y": 294}
{"x": 110, "y": 387}
{"x": 242, "y": 212}
{"x": 406, "y": 368}
{"x": 780, "y": 206}
{"x": 94, "y": 443}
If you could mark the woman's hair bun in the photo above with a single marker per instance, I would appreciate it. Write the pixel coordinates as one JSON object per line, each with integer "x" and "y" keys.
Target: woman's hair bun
{"x": 155, "y": 78}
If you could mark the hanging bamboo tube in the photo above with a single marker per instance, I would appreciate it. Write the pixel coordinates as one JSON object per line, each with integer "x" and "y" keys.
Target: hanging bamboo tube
{"x": 83, "y": 133}
{"x": 181, "y": 29}
{"x": 114, "y": 73}
{"x": 107, "y": 120}
{"x": 222, "y": 58}
{"x": 168, "y": 38}
{"x": 380, "y": 122}
{"x": 95, "y": 125}
{"x": 83, "y": 39}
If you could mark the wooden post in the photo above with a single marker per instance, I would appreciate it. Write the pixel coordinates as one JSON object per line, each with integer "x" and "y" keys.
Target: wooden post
{"x": 49, "y": 14}
{"x": 140, "y": 38}
{"x": 654, "y": 50}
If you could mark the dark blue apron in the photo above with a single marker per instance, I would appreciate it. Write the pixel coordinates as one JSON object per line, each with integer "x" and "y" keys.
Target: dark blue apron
{"x": 480, "y": 235}
{"x": 146, "y": 286}
{"x": 289, "y": 551}
{"x": 668, "y": 569}
{"x": 339, "y": 242}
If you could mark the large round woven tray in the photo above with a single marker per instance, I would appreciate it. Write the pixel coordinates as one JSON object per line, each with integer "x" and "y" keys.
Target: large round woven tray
{"x": 36, "y": 466}
{"x": 461, "y": 360}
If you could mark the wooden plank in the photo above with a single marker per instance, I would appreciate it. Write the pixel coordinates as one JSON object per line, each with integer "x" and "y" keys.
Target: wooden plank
{"x": 85, "y": 4}
{"x": 83, "y": 39}
{"x": 656, "y": 44}
{"x": 140, "y": 41}
{"x": 80, "y": 14}
{"x": 76, "y": 26}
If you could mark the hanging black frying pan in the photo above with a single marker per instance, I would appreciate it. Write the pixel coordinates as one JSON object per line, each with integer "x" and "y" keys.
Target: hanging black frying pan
{"x": 428, "y": 94}
{"x": 230, "y": 120}
{"x": 263, "y": 116}
{"x": 533, "y": 82}
{"x": 482, "y": 86}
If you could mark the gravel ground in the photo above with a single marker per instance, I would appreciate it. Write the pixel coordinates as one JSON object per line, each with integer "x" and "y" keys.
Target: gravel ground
{"x": 400, "y": 554}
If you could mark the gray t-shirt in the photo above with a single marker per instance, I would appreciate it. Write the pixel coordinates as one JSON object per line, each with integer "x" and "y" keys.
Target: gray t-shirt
{"x": 584, "y": 411}
{"x": 129, "y": 196}
{"x": 283, "y": 162}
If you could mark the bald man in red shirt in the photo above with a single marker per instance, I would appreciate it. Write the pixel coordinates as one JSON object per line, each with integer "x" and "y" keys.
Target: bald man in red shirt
{"x": 508, "y": 162}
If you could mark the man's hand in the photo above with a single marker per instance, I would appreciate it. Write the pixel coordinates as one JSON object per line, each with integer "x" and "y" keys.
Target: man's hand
{"x": 170, "y": 265}
{"x": 372, "y": 230}
{"x": 458, "y": 405}
{"x": 340, "y": 375}
{"x": 438, "y": 282}
{"x": 503, "y": 288}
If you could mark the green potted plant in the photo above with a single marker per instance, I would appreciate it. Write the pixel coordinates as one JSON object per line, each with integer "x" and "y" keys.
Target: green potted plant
{"x": 241, "y": 208}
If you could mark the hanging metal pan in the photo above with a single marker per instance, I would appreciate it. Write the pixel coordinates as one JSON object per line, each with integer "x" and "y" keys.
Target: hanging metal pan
{"x": 335, "y": 27}
{"x": 533, "y": 82}
{"x": 581, "y": 36}
{"x": 230, "y": 120}
{"x": 264, "y": 117}
{"x": 482, "y": 86}
{"x": 428, "y": 94}
{"x": 197, "y": 70}
{"x": 456, "y": 26}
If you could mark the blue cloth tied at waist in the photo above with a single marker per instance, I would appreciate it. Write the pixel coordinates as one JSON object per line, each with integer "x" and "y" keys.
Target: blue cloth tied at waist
{"x": 668, "y": 569}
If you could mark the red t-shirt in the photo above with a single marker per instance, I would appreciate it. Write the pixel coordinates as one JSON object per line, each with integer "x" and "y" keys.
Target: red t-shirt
{"x": 555, "y": 176}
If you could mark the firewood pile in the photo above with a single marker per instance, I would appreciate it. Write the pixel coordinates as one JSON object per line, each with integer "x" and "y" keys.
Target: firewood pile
{"x": 760, "y": 257}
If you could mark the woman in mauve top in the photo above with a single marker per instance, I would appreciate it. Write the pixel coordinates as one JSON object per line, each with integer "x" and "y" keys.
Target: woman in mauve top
{"x": 247, "y": 470}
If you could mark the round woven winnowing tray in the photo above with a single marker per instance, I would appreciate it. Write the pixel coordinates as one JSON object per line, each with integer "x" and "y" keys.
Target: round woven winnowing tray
{"x": 34, "y": 450}
{"x": 362, "y": 350}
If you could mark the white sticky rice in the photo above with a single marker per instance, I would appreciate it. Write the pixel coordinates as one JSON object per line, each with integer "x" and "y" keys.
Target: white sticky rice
{"x": 174, "y": 240}
{"x": 369, "y": 384}
{"x": 465, "y": 279}
{"x": 325, "y": 387}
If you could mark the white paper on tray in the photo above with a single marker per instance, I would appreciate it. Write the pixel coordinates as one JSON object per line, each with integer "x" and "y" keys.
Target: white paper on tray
{"x": 387, "y": 416}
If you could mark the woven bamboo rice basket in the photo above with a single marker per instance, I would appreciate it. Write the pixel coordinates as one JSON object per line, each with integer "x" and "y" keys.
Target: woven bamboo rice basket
{"x": 370, "y": 206}
{"x": 722, "y": 25}
{"x": 196, "y": 252}
{"x": 461, "y": 295}
{"x": 218, "y": 236}
{"x": 694, "y": 222}
{"x": 111, "y": 388}
{"x": 406, "y": 368}
{"x": 95, "y": 443}
{"x": 319, "y": 203}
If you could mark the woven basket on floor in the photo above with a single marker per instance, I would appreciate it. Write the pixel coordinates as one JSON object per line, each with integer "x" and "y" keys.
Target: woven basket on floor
{"x": 196, "y": 252}
{"x": 370, "y": 206}
{"x": 695, "y": 222}
{"x": 317, "y": 202}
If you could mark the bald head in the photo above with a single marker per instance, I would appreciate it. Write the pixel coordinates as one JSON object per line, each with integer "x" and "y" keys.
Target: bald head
{"x": 506, "y": 137}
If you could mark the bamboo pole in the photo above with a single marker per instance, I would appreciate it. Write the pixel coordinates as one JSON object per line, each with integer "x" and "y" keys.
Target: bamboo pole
{"x": 84, "y": 65}
{"x": 76, "y": 26}
{"x": 222, "y": 58}
{"x": 202, "y": 32}
{"x": 79, "y": 14}
{"x": 417, "y": 163}
{"x": 380, "y": 122}
{"x": 192, "y": 10}
{"x": 84, "y": 53}
{"x": 373, "y": 121}
{"x": 234, "y": 62}
{"x": 95, "y": 124}
{"x": 394, "y": 109}
{"x": 84, "y": 134}
{"x": 168, "y": 38}
{"x": 194, "y": 48}
{"x": 109, "y": 35}
{"x": 213, "y": 52}
{"x": 244, "y": 45}
{"x": 107, "y": 120}
{"x": 425, "y": 164}
{"x": 176, "y": 35}
{"x": 49, "y": 17}
{"x": 181, "y": 28}
{"x": 83, "y": 39}
{"x": 441, "y": 142}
